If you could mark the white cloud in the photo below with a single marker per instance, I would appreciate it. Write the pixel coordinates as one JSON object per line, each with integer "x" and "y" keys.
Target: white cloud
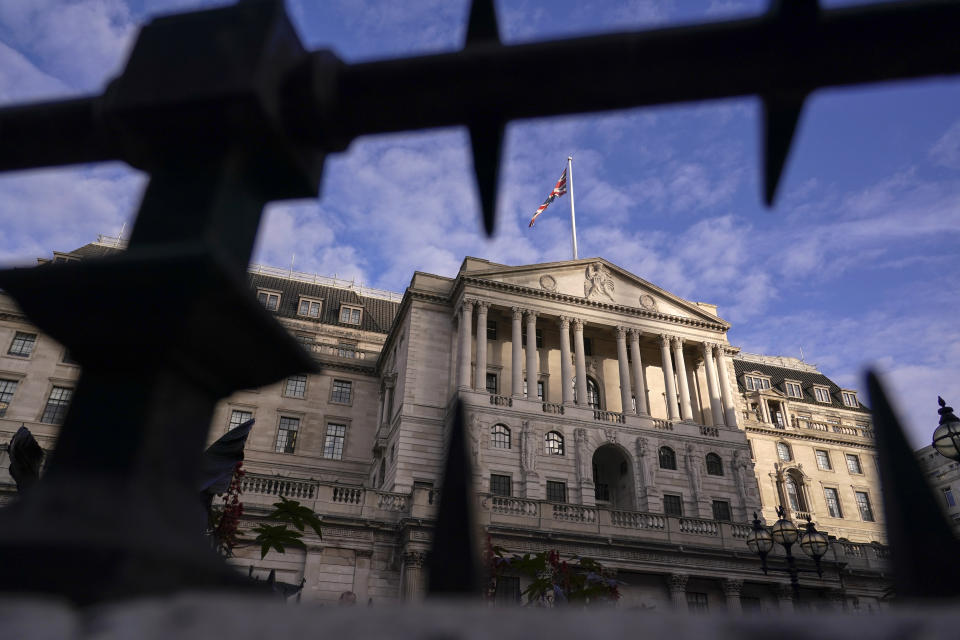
{"x": 946, "y": 150}
{"x": 21, "y": 80}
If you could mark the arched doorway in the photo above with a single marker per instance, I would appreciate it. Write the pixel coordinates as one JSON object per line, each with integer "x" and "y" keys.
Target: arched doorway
{"x": 613, "y": 478}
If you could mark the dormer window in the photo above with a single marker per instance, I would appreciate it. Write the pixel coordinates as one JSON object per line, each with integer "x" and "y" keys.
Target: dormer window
{"x": 850, "y": 399}
{"x": 755, "y": 383}
{"x": 350, "y": 315}
{"x": 793, "y": 389}
{"x": 822, "y": 394}
{"x": 309, "y": 307}
{"x": 269, "y": 299}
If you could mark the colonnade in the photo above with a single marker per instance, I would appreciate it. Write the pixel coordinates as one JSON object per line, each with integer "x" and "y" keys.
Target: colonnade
{"x": 680, "y": 398}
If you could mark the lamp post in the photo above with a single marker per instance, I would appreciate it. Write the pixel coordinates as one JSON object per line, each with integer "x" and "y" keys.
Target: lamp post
{"x": 946, "y": 437}
{"x": 783, "y": 532}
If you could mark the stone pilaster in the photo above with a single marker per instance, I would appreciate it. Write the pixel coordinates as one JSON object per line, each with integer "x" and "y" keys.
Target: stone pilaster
{"x": 639, "y": 385}
{"x": 581, "y": 364}
{"x": 731, "y": 590}
{"x": 726, "y": 392}
{"x": 686, "y": 412}
{"x": 361, "y": 574}
{"x": 668, "y": 381}
{"x": 677, "y": 583}
{"x": 516, "y": 377}
{"x": 715, "y": 408}
{"x": 480, "y": 373}
{"x": 466, "y": 321}
{"x": 625, "y": 394}
{"x": 414, "y": 587}
{"x": 566, "y": 388}
{"x": 533, "y": 359}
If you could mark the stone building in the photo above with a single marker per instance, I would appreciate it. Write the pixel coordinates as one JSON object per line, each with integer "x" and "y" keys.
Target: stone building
{"x": 943, "y": 475}
{"x": 606, "y": 417}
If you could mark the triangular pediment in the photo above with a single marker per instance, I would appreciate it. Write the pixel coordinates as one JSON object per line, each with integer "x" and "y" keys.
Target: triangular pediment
{"x": 594, "y": 280}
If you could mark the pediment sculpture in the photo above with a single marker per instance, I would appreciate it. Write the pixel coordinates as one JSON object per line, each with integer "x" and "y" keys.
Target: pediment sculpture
{"x": 599, "y": 283}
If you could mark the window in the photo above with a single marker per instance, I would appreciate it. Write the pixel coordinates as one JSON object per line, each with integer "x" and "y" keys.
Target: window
{"x": 554, "y": 443}
{"x": 350, "y": 315}
{"x": 793, "y": 494}
{"x": 587, "y": 347}
{"x": 491, "y": 329}
{"x": 500, "y": 436}
{"x": 539, "y": 335}
{"x": 714, "y": 465}
{"x": 833, "y": 502}
{"x": 853, "y": 464}
{"x": 754, "y": 383}
{"x": 238, "y": 417}
{"x": 556, "y": 491}
{"x": 333, "y": 444}
{"x": 309, "y": 307}
{"x": 68, "y": 358}
{"x": 823, "y": 460}
{"x": 863, "y": 502}
{"x": 539, "y": 389}
{"x": 696, "y": 602}
{"x": 347, "y": 349}
{"x": 7, "y": 387}
{"x": 721, "y": 510}
{"x": 850, "y": 399}
{"x": 270, "y": 301}
{"x": 822, "y": 394}
{"x": 304, "y": 339}
{"x": 947, "y": 493}
{"x": 492, "y": 383}
{"x": 783, "y": 452}
{"x": 501, "y": 485}
{"x": 601, "y": 490}
{"x": 287, "y": 434}
{"x": 593, "y": 393}
{"x": 341, "y": 391}
{"x": 668, "y": 459}
{"x": 57, "y": 404}
{"x": 672, "y": 505}
{"x": 508, "y": 590}
{"x": 296, "y": 387}
{"x": 793, "y": 389}
{"x": 22, "y": 344}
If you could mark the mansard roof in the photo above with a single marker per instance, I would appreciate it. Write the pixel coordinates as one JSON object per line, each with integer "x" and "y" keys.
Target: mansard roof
{"x": 571, "y": 280}
{"x": 808, "y": 379}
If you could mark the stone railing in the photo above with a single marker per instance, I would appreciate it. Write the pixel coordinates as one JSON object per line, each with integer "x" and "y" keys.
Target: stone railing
{"x": 700, "y": 527}
{"x": 514, "y": 506}
{"x": 501, "y": 401}
{"x": 348, "y": 495}
{"x": 574, "y": 513}
{"x": 637, "y": 520}
{"x": 340, "y": 351}
{"x": 393, "y": 501}
{"x": 609, "y": 416}
{"x": 713, "y": 432}
{"x": 276, "y": 486}
{"x": 818, "y": 426}
{"x": 738, "y": 530}
{"x": 552, "y": 407}
{"x": 663, "y": 425}
{"x": 847, "y": 431}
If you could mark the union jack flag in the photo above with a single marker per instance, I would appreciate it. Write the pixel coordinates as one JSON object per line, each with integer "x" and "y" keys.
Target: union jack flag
{"x": 558, "y": 190}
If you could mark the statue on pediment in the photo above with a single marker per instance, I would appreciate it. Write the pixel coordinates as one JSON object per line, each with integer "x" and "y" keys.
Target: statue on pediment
{"x": 599, "y": 283}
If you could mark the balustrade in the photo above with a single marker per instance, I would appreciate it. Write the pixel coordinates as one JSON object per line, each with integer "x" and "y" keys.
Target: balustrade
{"x": 514, "y": 506}
{"x": 699, "y": 527}
{"x": 574, "y": 513}
{"x": 552, "y": 407}
{"x": 501, "y": 401}
{"x": 709, "y": 431}
{"x": 348, "y": 495}
{"x": 663, "y": 425}
{"x": 609, "y": 416}
{"x": 637, "y": 520}
{"x": 275, "y": 486}
{"x": 392, "y": 501}
{"x": 740, "y": 531}
{"x": 847, "y": 431}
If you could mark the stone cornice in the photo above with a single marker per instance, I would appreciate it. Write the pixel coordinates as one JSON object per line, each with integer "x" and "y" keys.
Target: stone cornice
{"x": 794, "y": 434}
{"x": 592, "y": 304}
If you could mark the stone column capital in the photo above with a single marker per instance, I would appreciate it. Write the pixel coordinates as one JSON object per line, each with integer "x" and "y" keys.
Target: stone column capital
{"x": 635, "y": 334}
{"x": 577, "y": 324}
{"x": 676, "y": 342}
{"x": 564, "y": 323}
{"x": 665, "y": 340}
{"x": 531, "y": 314}
{"x": 621, "y": 332}
{"x": 732, "y": 586}
{"x": 517, "y": 313}
{"x": 415, "y": 559}
{"x": 677, "y": 582}
{"x": 482, "y": 306}
{"x": 707, "y": 347}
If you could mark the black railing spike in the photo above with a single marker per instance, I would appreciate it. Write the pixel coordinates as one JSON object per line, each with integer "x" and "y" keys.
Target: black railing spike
{"x": 924, "y": 554}
{"x": 482, "y": 24}
{"x": 486, "y": 142}
{"x": 452, "y": 563}
{"x": 780, "y": 116}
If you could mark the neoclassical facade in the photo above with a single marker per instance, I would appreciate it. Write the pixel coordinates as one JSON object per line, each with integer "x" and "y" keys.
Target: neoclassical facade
{"x": 606, "y": 418}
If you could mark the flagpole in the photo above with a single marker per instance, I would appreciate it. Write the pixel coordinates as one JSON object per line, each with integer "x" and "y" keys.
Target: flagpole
{"x": 573, "y": 216}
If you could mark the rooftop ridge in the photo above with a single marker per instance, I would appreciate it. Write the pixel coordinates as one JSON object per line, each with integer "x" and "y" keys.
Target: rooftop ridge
{"x": 116, "y": 242}
{"x": 787, "y": 362}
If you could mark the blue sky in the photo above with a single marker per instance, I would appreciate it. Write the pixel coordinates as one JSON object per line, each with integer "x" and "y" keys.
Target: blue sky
{"x": 856, "y": 264}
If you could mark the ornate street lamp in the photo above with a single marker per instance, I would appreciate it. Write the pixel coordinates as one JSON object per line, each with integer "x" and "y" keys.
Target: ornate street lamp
{"x": 946, "y": 437}
{"x": 784, "y": 532}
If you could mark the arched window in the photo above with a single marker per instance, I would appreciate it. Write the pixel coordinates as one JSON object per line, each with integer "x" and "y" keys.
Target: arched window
{"x": 500, "y": 436}
{"x": 714, "y": 465}
{"x": 593, "y": 393}
{"x": 783, "y": 452}
{"x": 554, "y": 443}
{"x": 668, "y": 459}
{"x": 794, "y": 493}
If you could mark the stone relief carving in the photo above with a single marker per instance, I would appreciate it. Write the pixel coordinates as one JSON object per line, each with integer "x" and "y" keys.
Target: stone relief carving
{"x": 475, "y": 441}
{"x": 583, "y": 460}
{"x": 528, "y": 448}
{"x": 548, "y": 283}
{"x": 693, "y": 468}
{"x": 610, "y": 434}
{"x": 647, "y": 468}
{"x": 740, "y": 470}
{"x": 598, "y": 284}
{"x": 647, "y": 302}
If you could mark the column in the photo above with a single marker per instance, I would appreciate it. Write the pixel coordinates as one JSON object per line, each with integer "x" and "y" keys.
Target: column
{"x": 726, "y": 393}
{"x": 565, "y": 374}
{"x": 625, "y": 394}
{"x": 686, "y": 412}
{"x": 533, "y": 361}
{"x": 715, "y": 407}
{"x": 581, "y": 364}
{"x": 668, "y": 385}
{"x": 785, "y": 598}
{"x": 677, "y": 583}
{"x": 413, "y": 587}
{"x": 466, "y": 319}
{"x": 361, "y": 575}
{"x": 480, "y": 373}
{"x": 639, "y": 388}
{"x": 731, "y": 589}
{"x": 516, "y": 379}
